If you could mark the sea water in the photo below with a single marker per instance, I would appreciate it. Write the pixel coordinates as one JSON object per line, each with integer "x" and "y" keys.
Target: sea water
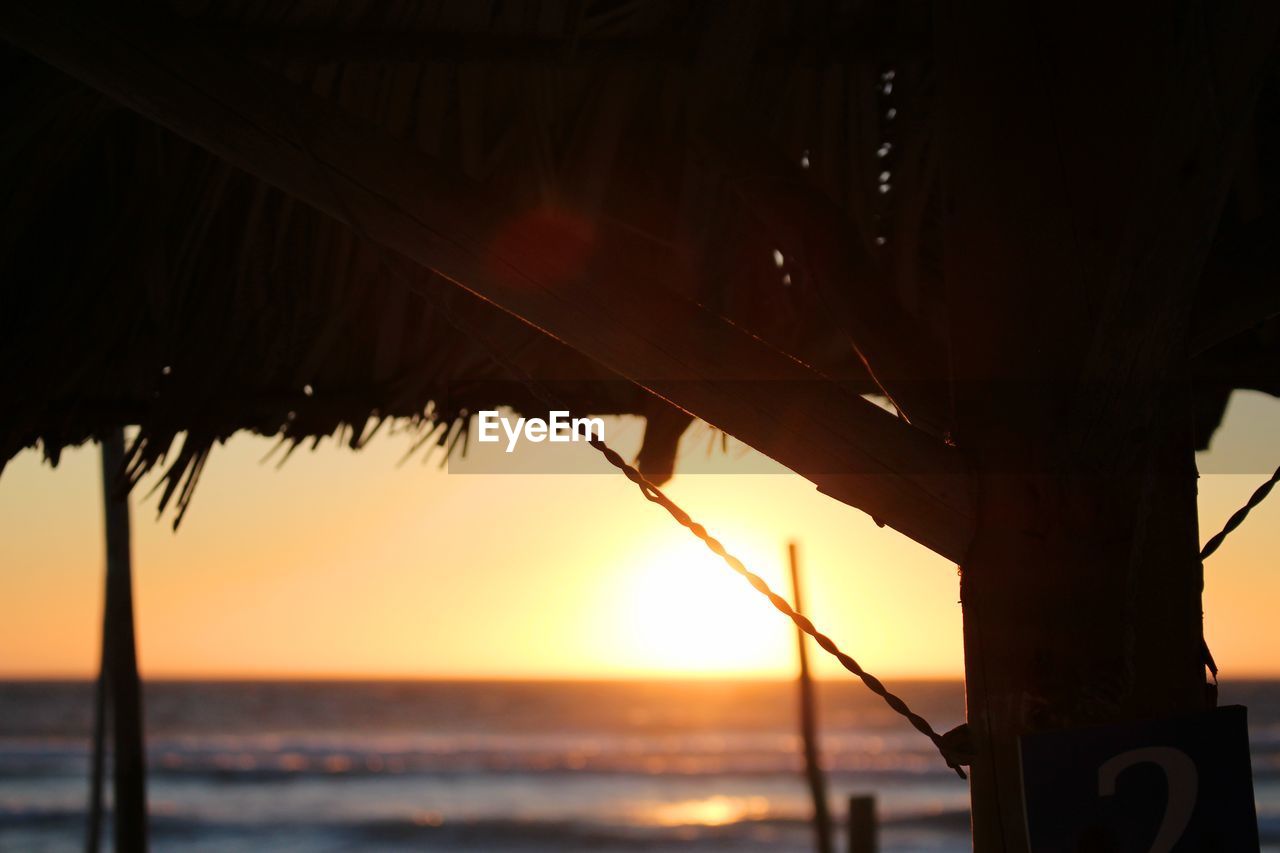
{"x": 509, "y": 766}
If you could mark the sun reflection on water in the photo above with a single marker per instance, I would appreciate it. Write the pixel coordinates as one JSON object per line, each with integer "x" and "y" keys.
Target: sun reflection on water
{"x": 709, "y": 811}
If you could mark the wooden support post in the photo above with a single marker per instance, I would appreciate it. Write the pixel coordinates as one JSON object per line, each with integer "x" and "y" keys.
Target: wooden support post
{"x": 862, "y": 824}
{"x": 93, "y": 831}
{"x": 809, "y": 722}
{"x": 1082, "y": 198}
{"x": 119, "y": 659}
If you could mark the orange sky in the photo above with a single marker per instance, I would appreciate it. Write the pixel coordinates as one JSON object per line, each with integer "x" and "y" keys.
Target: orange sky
{"x": 343, "y": 564}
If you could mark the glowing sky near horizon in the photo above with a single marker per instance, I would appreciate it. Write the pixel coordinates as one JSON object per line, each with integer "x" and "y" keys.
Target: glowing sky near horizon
{"x": 343, "y": 564}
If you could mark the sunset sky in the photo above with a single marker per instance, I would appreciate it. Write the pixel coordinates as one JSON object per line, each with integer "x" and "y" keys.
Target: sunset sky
{"x": 343, "y": 564}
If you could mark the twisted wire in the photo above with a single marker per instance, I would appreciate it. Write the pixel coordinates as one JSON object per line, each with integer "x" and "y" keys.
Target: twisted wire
{"x": 653, "y": 494}
{"x": 1237, "y": 518}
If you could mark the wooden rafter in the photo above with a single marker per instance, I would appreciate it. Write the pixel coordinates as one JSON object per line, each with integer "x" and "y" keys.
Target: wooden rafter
{"x": 410, "y": 46}
{"x": 1240, "y": 287}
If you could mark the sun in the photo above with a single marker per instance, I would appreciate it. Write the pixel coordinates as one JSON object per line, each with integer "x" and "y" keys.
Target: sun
{"x": 681, "y": 611}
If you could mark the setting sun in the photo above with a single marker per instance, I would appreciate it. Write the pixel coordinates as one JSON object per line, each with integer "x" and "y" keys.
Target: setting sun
{"x": 682, "y": 610}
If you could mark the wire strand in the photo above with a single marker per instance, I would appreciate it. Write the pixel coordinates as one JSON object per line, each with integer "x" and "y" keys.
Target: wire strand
{"x": 655, "y": 495}
{"x": 1237, "y": 518}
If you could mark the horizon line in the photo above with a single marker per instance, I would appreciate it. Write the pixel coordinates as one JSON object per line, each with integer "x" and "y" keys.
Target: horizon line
{"x": 453, "y": 677}
{"x": 357, "y": 678}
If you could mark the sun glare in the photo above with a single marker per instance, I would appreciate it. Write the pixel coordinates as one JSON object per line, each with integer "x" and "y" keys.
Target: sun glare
{"x": 709, "y": 811}
{"x": 683, "y": 611}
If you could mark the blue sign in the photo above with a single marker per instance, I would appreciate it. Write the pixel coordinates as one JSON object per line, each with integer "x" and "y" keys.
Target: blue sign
{"x": 1159, "y": 786}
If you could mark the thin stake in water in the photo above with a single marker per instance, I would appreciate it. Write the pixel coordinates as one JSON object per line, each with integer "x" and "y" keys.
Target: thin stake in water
{"x": 808, "y": 722}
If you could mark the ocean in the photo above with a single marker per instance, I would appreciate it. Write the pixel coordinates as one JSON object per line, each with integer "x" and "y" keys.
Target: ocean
{"x": 509, "y": 766}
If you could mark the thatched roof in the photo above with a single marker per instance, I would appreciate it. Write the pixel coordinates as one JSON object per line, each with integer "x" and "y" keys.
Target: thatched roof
{"x": 147, "y": 282}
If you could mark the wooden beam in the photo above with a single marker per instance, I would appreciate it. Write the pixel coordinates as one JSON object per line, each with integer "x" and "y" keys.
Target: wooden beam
{"x": 1240, "y": 287}
{"x": 398, "y": 45}
{"x": 867, "y": 35}
{"x": 591, "y": 285}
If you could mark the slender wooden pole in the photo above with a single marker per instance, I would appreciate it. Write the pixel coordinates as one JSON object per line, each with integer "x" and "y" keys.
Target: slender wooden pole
{"x": 93, "y": 832}
{"x": 862, "y": 824}
{"x": 120, "y": 669}
{"x": 809, "y": 724}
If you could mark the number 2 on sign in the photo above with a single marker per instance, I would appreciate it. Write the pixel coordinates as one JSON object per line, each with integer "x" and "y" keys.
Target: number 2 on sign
{"x": 1183, "y": 783}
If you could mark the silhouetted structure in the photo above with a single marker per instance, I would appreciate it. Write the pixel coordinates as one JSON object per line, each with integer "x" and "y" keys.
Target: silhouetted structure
{"x": 1046, "y": 230}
